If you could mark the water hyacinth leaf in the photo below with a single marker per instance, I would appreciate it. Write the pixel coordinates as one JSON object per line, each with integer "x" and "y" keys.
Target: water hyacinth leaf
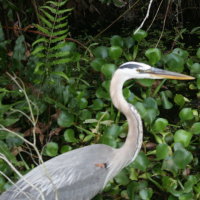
{"x": 112, "y": 131}
{"x": 169, "y": 184}
{"x": 117, "y": 40}
{"x": 103, "y": 116}
{"x": 186, "y": 114}
{"x": 122, "y": 178}
{"x": 179, "y": 100}
{"x": 162, "y": 151}
{"x": 51, "y": 149}
{"x": 174, "y": 62}
{"x": 182, "y": 158}
{"x": 83, "y": 103}
{"x": 169, "y": 165}
{"x": 101, "y": 52}
{"x": 195, "y": 69}
{"x": 129, "y": 42}
{"x": 69, "y": 135}
{"x": 183, "y": 137}
{"x": 166, "y": 103}
{"x": 115, "y": 52}
{"x": 154, "y": 55}
{"x": 97, "y": 104}
{"x": 141, "y": 162}
{"x": 85, "y": 114}
{"x": 150, "y": 116}
{"x": 65, "y": 148}
{"x": 65, "y": 119}
{"x": 195, "y": 129}
{"x": 146, "y": 82}
{"x": 139, "y": 35}
{"x": 97, "y": 63}
{"x": 184, "y": 54}
{"x": 146, "y": 193}
{"x": 108, "y": 70}
{"x": 160, "y": 125}
{"x": 189, "y": 184}
{"x": 110, "y": 141}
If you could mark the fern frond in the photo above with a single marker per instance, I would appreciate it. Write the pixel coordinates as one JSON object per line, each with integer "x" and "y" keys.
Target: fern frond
{"x": 43, "y": 30}
{"x": 55, "y": 27}
{"x": 59, "y": 39}
{"x": 58, "y": 4}
{"x": 45, "y": 21}
{"x": 61, "y": 25}
{"x": 40, "y": 40}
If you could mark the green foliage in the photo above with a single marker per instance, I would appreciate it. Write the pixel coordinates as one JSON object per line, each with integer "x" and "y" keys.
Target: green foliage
{"x": 52, "y": 49}
{"x": 75, "y": 108}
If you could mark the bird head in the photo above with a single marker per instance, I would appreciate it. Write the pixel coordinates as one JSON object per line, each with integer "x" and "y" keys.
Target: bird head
{"x": 138, "y": 70}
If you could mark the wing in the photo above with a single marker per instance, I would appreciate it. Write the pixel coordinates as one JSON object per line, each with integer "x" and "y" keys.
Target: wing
{"x": 76, "y": 175}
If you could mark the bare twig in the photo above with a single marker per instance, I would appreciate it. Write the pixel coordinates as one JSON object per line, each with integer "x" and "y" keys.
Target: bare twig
{"x": 163, "y": 28}
{"x": 147, "y": 15}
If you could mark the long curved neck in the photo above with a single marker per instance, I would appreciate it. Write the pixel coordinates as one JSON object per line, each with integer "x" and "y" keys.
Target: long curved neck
{"x": 133, "y": 141}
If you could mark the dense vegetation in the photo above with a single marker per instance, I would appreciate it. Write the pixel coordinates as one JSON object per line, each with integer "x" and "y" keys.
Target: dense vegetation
{"x": 54, "y": 95}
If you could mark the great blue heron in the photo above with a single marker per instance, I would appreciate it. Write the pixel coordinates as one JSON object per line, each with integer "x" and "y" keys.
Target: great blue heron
{"x": 82, "y": 173}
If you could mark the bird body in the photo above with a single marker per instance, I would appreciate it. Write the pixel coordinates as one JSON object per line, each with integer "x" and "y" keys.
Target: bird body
{"x": 82, "y": 173}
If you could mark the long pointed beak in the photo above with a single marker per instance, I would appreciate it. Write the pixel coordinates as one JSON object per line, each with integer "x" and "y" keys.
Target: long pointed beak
{"x": 164, "y": 74}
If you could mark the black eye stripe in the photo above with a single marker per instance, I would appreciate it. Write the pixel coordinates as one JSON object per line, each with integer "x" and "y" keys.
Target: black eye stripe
{"x": 130, "y": 66}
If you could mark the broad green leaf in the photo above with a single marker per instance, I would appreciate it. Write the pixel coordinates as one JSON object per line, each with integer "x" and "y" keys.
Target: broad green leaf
{"x": 83, "y": 103}
{"x": 122, "y": 178}
{"x": 65, "y": 119}
{"x": 141, "y": 162}
{"x": 154, "y": 55}
{"x": 103, "y": 116}
{"x": 186, "y": 114}
{"x": 169, "y": 183}
{"x": 166, "y": 103}
{"x": 146, "y": 193}
{"x": 51, "y": 149}
{"x": 139, "y": 35}
{"x": 195, "y": 129}
{"x": 184, "y": 54}
{"x": 101, "y": 52}
{"x": 97, "y": 63}
{"x": 195, "y": 69}
{"x": 65, "y": 148}
{"x": 162, "y": 151}
{"x": 182, "y": 158}
{"x": 189, "y": 184}
{"x": 112, "y": 131}
{"x": 108, "y": 140}
{"x": 179, "y": 100}
{"x": 115, "y": 52}
{"x": 108, "y": 70}
{"x": 169, "y": 165}
{"x": 174, "y": 62}
{"x": 69, "y": 135}
{"x": 183, "y": 137}
{"x": 85, "y": 114}
{"x": 97, "y": 104}
{"x": 116, "y": 40}
{"x": 160, "y": 125}
{"x": 129, "y": 42}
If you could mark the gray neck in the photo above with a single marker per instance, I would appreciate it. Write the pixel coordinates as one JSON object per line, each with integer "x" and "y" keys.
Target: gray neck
{"x": 133, "y": 142}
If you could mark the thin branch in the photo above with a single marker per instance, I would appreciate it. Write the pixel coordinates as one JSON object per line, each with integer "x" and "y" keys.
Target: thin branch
{"x": 147, "y": 15}
{"x": 163, "y": 28}
{"x": 155, "y": 15}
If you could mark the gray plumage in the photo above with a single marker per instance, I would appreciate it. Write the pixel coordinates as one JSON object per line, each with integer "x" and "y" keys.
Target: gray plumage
{"x": 82, "y": 173}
